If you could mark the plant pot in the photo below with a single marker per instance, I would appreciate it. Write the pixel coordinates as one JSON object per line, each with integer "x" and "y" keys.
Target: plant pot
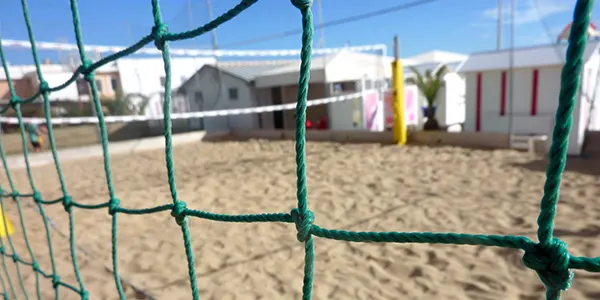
{"x": 424, "y": 108}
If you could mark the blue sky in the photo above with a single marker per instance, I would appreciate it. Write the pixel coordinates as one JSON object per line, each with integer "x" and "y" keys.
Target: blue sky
{"x": 464, "y": 26}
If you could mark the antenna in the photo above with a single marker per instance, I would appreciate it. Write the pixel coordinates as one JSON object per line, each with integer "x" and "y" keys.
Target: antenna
{"x": 213, "y": 32}
{"x": 499, "y": 32}
{"x": 321, "y": 42}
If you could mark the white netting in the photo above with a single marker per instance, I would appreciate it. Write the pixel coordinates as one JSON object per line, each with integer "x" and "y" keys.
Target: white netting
{"x": 187, "y": 115}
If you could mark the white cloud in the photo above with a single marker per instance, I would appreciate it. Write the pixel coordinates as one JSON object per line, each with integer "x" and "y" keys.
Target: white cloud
{"x": 526, "y": 11}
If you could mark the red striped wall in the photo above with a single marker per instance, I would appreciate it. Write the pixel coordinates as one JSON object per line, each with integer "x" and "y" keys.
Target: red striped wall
{"x": 534, "y": 92}
{"x": 503, "y": 94}
{"x": 478, "y": 103}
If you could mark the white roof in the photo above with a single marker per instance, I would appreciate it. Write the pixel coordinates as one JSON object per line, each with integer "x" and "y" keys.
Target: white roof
{"x": 321, "y": 62}
{"x": 538, "y": 56}
{"x": 20, "y": 71}
{"x": 435, "y": 56}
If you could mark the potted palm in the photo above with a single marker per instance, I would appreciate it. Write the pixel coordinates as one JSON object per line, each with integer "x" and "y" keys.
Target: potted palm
{"x": 429, "y": 84}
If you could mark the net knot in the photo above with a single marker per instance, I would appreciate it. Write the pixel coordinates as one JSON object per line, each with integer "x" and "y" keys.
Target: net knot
{"x": 55, "y": 281}
{"x": 14, "y": 195}
{"x": 14, "y": 102}
{"x": 44, "y": 87}
{"x": 86, "y": 70}
{"x": 178, "y": 212}
{"x": 35, "y": 266}
{"x": 67, "y": 203}
{"x": 15, "y": 257}
{"x": 113, "y": 205}
{"x": 2, "y": 250}
{"x": 551, "y": 263}
{"x": 37, "y": 197}
{"x": 302, "y": 4}
{"x": 158, "y": 33}
{"x": 85, "y": 295}
{"x": 303, "y": 223}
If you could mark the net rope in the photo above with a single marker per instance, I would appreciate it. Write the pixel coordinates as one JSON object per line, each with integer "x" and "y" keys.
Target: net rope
{"x": 549, "y": 256}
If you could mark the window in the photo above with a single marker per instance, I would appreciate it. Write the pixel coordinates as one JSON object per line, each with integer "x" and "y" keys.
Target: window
{"x": 114, "y": 83}
{"x": 82, "y": 87}
{"x": 233, "y": 94}
{"x": 345, "y": 86}
{"x": 162, "y": 81}
{"x": 99, "y": 85}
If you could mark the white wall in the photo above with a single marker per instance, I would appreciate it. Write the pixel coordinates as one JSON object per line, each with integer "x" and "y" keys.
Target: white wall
{"x": 451, "y": 100}
{"x": 470, "y": 101}
{"x": 348, "y": 66}
{"x": 523, "y": 122}
{"x": 591, "y": 89}
{"x": 69, "y": 93}
{"x": 345, "y": 115}
{"x": 207, "y": 82}
{"x": 290, "y": 78}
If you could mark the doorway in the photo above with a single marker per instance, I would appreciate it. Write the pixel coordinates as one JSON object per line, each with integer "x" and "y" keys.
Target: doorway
{"x": 278, "y": 114}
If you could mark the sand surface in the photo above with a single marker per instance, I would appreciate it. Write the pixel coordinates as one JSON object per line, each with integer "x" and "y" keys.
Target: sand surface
{"x": 355, "y": 187}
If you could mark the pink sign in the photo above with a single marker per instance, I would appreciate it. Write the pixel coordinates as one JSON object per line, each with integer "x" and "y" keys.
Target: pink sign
{"x": 410, "y": 105}
{"x": 388, "y": 108}
{"x": 371, "y": 101}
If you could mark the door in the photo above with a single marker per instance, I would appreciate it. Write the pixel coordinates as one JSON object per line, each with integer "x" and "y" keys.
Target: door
{"x": 278, "y": 114}
{"x": 199, "y": 103}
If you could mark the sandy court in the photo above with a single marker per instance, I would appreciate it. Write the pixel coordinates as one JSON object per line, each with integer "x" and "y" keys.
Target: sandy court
{"x": 355, "y": 187}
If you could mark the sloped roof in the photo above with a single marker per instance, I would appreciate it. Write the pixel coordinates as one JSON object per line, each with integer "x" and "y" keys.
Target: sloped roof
{"x": 249, "y": 70}
{"x": 244, "y": 70}
{"x": 317, "y": 63}
{"x": 538, "y": 56}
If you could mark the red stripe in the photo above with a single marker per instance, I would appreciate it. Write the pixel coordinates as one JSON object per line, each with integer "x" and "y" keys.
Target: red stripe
{"x": 534, "y": 92}
{"x": 478, "y": 104}
{"x": 503, "y": 95}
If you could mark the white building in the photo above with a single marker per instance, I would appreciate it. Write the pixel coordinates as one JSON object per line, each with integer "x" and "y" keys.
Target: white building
{"x": 146, "y": 76}
{"x": 263, "y": 83}
{"x": 228, "y": 85}
{"x": 537, "y": 81}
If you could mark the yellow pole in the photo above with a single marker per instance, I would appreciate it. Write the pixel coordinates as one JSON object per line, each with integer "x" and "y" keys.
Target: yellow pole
{"x": 399, "y": 128}
{"x": 8, "y": 230}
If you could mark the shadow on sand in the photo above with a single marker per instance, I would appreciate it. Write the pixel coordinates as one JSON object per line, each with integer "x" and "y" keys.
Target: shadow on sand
{"x": 589, "y": 165}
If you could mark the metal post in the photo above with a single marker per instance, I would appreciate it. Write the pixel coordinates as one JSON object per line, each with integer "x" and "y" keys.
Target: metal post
{"x": 511, "y": 73}
{"x": 499, "y": 33}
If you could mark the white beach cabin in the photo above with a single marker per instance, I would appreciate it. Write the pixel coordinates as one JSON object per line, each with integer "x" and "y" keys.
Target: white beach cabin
{"x": 536, "y": 77}
{"x": 450, "y": 103}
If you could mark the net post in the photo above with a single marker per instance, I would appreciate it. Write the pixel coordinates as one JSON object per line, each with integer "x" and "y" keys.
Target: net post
{"x": 399, "y": 126}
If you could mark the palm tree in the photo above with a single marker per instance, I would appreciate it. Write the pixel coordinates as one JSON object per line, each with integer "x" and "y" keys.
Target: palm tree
{"x": 429, "y": 84}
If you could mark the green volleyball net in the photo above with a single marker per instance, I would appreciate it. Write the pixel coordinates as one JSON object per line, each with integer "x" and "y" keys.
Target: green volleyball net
{"x": 548, "y": 257}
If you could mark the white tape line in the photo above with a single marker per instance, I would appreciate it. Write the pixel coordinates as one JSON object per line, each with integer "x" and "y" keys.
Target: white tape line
{"x": 187, "y": 115}
{"x": 190, "y": 52}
